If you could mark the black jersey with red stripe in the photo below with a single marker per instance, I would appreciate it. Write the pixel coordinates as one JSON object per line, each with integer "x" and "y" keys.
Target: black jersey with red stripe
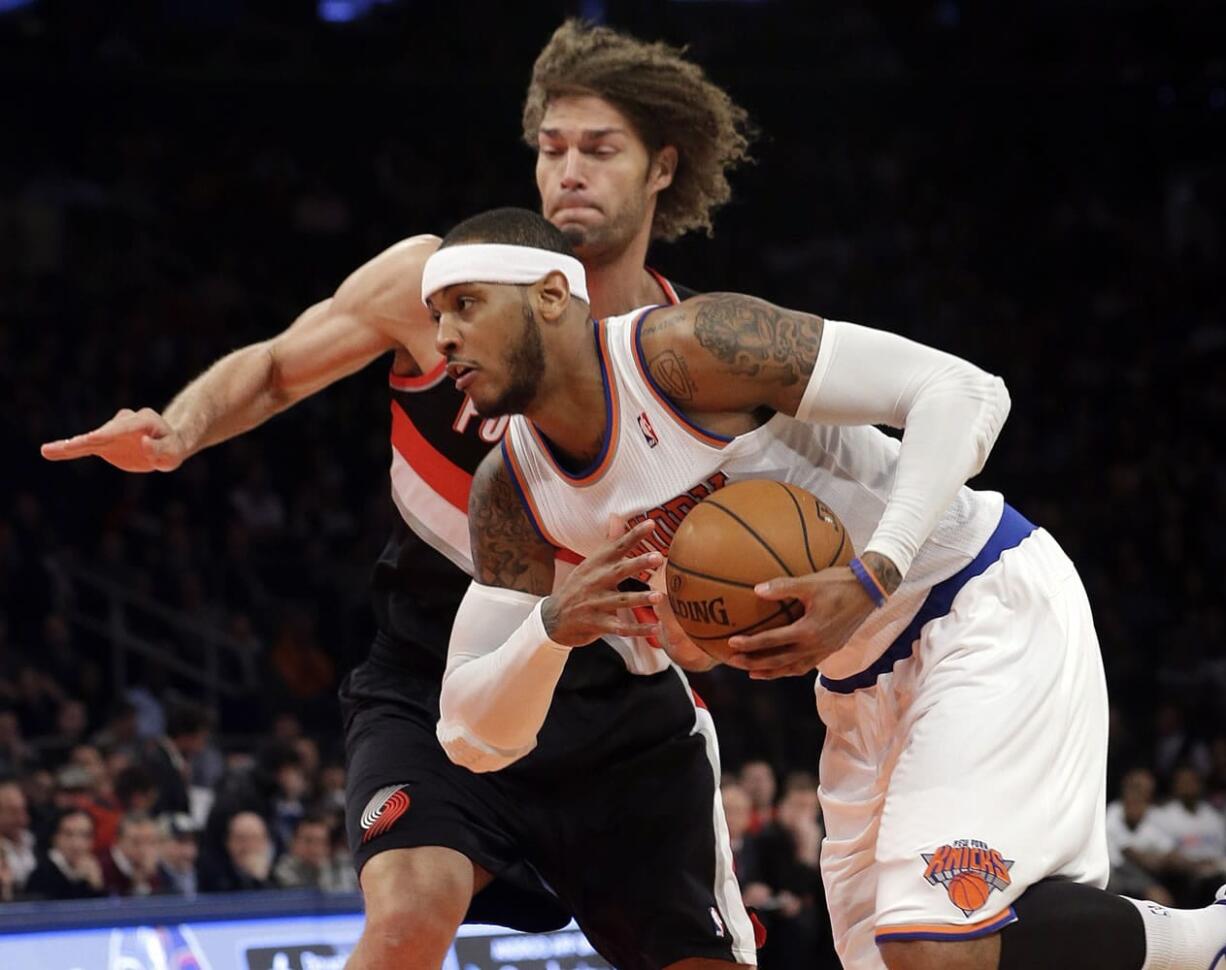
{"x": 438, "y": 440}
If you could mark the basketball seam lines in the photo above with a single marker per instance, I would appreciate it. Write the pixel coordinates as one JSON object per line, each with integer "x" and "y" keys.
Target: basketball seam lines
{"x": 804, "y": 529}
{"x": 785, "y": 609}
{"x": 715, "y": 579}
{"x": 750, "y": 529}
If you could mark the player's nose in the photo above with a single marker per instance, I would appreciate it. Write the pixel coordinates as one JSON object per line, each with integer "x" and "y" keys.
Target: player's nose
{"x": 573, "y": 170}
{"x": 447, "y": 338}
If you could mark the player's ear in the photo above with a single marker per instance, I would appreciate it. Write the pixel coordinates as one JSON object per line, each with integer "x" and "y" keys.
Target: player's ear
{"x": 552, "y": 297}
{"x": 663, "y": 168}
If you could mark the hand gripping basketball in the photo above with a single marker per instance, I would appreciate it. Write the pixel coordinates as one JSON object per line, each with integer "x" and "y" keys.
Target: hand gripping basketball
{"x": 134, "y": 441}
{"x": 587, "y": 605}
{"x": 835, "y": 605}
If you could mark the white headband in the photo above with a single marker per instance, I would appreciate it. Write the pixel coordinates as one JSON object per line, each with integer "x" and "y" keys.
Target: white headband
{"x": 496, "y": 263}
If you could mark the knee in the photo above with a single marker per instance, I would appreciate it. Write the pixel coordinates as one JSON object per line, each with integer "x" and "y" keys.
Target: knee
{"x": 397, "y": 935}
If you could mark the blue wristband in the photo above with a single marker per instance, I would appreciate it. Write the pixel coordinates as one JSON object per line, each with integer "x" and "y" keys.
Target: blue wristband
{"x": 874, "y": 589}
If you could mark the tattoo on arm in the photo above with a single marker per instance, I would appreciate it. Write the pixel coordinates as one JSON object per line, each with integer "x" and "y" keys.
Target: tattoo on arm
{"x": 756, "y": 339}
{"x": 885, "y": 571}
{"x": 669, "y": 371}
{"x": 507, "y": 550}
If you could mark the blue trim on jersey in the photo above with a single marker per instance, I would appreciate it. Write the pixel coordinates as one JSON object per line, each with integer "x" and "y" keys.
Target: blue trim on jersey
{"x": 1010, "y": 531}
{"x": 610, "y": 426}
{"x": 663, "y": 395}
{"x": 523, "y": 499}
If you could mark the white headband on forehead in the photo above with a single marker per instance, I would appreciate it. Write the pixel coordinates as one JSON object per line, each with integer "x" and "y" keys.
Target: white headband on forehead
{"x": 498, "y": 263}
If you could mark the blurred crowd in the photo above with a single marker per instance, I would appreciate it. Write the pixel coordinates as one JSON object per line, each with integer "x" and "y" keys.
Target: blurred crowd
{"x": 126, "y": 815}
{"x": 172, "y": 212}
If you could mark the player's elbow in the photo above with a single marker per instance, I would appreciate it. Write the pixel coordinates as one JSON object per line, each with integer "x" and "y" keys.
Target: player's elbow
{"x": 464, "y": 748}
{"x": 994, "y": 409}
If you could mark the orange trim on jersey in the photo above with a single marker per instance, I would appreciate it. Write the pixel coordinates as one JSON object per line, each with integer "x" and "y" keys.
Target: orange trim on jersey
{"x": 566, "y": 555}
{"x": 436, "y": 469}
{"x": 665, "y": 285}
{"x": 679, "y": 419}
{"x": 418, "y": 382}
{"x": 521, "y": 485}
{"x": 1003, "y": 918}
{"x": 612, "y": 423}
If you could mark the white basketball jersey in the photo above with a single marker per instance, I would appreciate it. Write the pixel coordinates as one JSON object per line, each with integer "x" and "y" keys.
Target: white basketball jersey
{"x": 657, "y": 464}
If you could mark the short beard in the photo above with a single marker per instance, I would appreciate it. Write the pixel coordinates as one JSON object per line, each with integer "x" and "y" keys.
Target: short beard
{"x": 525, "y": 362}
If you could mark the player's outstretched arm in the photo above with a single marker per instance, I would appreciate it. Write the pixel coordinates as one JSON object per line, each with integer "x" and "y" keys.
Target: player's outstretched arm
{"x": 729, "y": 352}
{"x": 328, "y": 341}
{"x": 511, "y": 640}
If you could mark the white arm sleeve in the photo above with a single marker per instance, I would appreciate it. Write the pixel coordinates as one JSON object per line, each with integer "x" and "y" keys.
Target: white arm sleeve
{"x": 501, "y": 671}
{"x": 950, "y": 410}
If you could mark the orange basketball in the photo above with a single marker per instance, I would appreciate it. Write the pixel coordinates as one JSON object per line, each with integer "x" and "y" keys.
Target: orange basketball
{"x": 741, "y": 535}
{"x": 968, "y": 891}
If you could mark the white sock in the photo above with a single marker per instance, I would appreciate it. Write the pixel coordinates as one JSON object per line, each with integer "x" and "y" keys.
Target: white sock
{"x": 1182, "y": 939}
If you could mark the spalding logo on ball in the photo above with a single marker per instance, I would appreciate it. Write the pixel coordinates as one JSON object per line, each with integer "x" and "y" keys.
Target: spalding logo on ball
{"x": 744, "y": 534}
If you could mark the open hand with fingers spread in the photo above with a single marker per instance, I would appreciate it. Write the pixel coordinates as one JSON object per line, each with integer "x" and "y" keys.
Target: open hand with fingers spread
{"x": 134, "y": 441}
{"x": 587, "y": 605}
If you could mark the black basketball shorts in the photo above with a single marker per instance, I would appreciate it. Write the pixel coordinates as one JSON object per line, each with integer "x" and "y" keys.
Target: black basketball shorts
{"x": 615, "y": 817}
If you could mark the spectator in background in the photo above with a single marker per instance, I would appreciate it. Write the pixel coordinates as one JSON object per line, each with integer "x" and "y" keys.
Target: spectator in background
{"x": 738, "y": 811}
{"x": 76, "y": 788}
{"x": 169, "y": 757}
{"x": 130, "y": 866}
{"x": 70, "y": 869}
{"x": 16, "y": 839}
{"x": 8, "y": 885}
{"x": 118, "y": 736}
{"x": 1174, "y": 745}
{"x": 273, "y": 788}
{"x": 1141, "y": 852}
{"x": 788, "y": 850}
{"x": 15, "y": 754}
{"x": 179, "y": 851}
{"x": 247, "y": 860}
{"x": 309, "y": 862}
{"x": 758, "y": 780}
{"x": 1199, "y": 833}
{"x": 71, "y": 725}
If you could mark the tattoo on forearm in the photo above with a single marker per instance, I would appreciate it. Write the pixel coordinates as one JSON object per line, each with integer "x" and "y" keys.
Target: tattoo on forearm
{"x": 757, "y": 339}
{"x": 670, "y": 373}
{"x": 885, "y": 571}
{"x": 507, "y": 551}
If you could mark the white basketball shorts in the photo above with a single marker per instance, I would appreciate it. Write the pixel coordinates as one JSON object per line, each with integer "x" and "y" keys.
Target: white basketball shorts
{"x": 969, "y": 762}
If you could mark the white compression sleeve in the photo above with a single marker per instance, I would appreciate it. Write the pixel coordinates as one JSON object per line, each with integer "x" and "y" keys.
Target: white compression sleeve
{"x": 501, "y": 671}
{"x": 950, "y": 410}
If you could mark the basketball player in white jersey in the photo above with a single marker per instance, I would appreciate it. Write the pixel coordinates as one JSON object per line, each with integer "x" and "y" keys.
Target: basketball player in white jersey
{"x": 611, "y": 118}
{"x": 961, "y": 683}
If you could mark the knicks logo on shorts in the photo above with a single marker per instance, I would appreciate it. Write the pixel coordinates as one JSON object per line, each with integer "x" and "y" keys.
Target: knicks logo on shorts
{"x": 969, "y": 870}
{"x": 384, "y": 807}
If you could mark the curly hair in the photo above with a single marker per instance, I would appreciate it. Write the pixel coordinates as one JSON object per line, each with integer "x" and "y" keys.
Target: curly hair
{"x": 669, "y": 101}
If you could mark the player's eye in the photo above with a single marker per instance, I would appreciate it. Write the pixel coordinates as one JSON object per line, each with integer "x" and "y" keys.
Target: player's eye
{"x": 464, "y": 302}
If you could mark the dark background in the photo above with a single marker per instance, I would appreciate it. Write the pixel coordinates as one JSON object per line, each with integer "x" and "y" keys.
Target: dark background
{"x": 1038, "y": 187}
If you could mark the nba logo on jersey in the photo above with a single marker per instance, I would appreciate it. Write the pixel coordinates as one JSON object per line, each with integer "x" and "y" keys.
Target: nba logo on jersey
{"x": 719, "y": 923}
{"x": 969, "y": 870}
{"x": 648, "y": 431}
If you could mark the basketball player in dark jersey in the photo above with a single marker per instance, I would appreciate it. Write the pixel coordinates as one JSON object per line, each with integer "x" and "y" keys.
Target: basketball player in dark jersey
{"x": 617, "y": 808}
